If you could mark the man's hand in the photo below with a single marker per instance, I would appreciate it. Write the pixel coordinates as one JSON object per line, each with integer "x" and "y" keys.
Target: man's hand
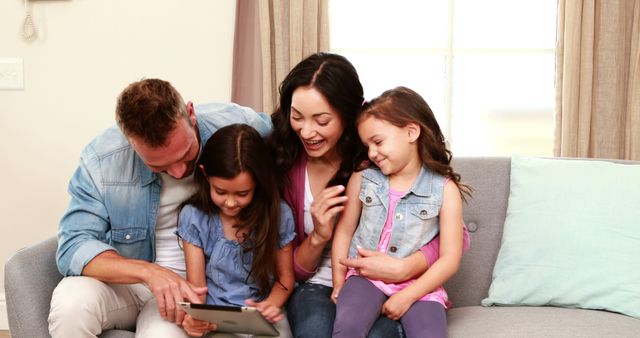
{"x": 197, "y": 328}
{"x": 377, "y": 266}
{"x": 269, "y": 311}
{"x": 169, "y": 288}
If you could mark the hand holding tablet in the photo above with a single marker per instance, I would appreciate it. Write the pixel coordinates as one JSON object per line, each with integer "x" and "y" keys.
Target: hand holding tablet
{"x": 232, "y": 319}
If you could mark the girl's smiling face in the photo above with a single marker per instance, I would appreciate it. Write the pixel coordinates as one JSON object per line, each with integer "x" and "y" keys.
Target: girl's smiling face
{"x": 232, "y": 195}
{"x": 390, "y": 147}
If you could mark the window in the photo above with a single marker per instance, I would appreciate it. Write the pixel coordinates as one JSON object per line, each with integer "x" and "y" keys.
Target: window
{"x": 486, "y": 68}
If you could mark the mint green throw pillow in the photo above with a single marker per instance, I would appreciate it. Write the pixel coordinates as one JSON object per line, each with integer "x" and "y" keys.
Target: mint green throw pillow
{"x": 571, "y": 237}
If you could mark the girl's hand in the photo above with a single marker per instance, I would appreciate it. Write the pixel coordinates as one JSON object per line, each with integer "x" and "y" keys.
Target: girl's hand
{"x": 396, "y": 306}
{"x": 269, "y": 311}
{"x": 195, "y": 327}
{"x": 324, "y": 209}
{"x": 336, "y": 292}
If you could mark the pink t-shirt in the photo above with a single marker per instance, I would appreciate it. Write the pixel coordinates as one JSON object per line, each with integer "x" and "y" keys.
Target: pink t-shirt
{"x": 438, "y": 295}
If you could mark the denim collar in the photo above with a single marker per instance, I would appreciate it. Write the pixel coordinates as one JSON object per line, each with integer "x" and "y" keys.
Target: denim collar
{"x": 422, "y": 186}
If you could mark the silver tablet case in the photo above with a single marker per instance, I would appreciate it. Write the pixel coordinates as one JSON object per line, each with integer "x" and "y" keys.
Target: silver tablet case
{"x": 246, "y": 320}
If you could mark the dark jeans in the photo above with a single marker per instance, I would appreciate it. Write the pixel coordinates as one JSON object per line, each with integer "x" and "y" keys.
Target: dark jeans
{"x": 359, "y": 305}
{"x": 311, "y": 314}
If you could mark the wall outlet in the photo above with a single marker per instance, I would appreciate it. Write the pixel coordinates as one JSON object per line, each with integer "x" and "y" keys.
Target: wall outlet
{"x": 11, "y": 74}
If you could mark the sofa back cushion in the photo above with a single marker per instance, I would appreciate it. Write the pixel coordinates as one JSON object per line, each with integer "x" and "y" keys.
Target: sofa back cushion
{"x": 484, "y": 215}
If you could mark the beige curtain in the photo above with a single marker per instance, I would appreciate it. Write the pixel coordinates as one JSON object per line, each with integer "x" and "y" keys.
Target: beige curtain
{"x": 280, "y": 34}
{"x": 598, "y": 79}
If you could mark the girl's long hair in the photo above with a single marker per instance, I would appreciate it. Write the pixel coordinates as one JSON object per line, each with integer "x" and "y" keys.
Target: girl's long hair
{"x": 231, "y": 150}
{"x": 401, "y": 106}
{"x": 337, "y": 80}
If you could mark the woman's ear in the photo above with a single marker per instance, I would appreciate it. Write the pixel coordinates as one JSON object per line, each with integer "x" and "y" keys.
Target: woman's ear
{"x": 413, "y": 131}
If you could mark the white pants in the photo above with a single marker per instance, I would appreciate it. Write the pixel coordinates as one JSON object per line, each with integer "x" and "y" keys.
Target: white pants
{"x": 84, "y": 307}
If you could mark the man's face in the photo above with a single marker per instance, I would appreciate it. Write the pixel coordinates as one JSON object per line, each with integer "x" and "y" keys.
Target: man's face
{"x": 177, "y": 157}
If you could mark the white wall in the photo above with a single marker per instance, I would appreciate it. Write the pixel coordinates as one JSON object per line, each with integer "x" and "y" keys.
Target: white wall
{"x": 87, "y": 51}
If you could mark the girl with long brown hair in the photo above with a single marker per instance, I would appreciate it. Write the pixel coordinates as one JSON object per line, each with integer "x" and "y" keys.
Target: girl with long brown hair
{"x": 236, "y": 233}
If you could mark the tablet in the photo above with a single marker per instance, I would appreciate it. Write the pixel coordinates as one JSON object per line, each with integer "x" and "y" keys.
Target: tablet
{"x": 232, "y": 319}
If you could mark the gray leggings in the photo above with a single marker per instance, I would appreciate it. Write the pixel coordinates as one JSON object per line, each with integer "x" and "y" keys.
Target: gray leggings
{"x": 359, "y": 305}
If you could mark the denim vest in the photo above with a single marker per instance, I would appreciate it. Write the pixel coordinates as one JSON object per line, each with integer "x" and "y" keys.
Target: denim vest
{"x": 415, "y": 221}
{"x": 115, "y": 196}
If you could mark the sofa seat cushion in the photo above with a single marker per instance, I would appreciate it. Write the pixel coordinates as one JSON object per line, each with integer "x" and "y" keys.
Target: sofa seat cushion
{"x": 117, "y": 334}
{"x": 531, "y": 322}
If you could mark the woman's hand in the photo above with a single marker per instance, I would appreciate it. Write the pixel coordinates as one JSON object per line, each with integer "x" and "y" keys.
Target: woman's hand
{"x": 379, "y": 266}
{"x": 269, "y": 311}
{"x": 324, "y": 209}
{"x": 195, "y": 327}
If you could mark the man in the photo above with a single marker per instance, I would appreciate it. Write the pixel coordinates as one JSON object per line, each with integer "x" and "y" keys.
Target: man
{"x": 116, "y": 243}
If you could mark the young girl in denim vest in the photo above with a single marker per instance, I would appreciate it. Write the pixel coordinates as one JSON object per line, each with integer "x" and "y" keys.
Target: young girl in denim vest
{"x": 407, "y": 196}
{"x": 236, "y": 233}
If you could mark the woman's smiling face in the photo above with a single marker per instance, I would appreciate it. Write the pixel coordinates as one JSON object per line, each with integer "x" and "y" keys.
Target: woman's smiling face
{"x": 317, "y": 124}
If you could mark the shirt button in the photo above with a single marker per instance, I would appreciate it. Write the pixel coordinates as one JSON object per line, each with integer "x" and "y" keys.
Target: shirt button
{"x": 399, "y": 216}
{"x": 127, "y": 236}
{"x": 393, "y": 249}
{"x": 368, "y": 199}
{"x": 423, "y": 212}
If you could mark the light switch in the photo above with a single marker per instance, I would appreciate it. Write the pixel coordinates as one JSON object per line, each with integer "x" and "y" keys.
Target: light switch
{"x": 11, "y": 74}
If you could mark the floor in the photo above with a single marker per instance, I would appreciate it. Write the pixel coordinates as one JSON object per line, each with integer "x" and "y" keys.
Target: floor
{"x": 4, "y": 334}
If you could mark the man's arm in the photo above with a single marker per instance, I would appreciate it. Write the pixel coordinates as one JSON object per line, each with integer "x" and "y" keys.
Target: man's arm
{"x": 82, "y": 247}
{"x": 83, "y": 229}
{"x": 167, "y": 286}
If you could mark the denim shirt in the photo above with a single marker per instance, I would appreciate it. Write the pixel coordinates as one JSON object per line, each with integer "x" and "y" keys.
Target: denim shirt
{"x": 115, "y": 196}
{"x": 415, "y": 221}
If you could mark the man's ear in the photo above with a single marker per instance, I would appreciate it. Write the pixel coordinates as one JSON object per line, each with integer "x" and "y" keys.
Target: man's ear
{"x": 191, "y": 113}
{"x": 202, "y": 168}
{"x": 413, "y": 130}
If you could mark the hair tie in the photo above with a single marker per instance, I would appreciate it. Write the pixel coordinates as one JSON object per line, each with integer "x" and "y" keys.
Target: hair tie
{"x": 364, "y": 102}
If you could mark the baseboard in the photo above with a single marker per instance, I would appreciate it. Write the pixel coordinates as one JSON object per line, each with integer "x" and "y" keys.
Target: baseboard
{"x": 4, "y": 321}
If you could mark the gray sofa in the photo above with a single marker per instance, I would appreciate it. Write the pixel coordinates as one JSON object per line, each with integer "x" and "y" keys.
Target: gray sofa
{"x": 31, "y": 275}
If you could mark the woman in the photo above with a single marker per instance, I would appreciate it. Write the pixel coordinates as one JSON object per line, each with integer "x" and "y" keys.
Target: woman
{"x": 316, "y": 148}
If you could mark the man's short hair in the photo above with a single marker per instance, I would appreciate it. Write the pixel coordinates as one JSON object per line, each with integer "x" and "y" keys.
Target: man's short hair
{"x": 149, "y": 109}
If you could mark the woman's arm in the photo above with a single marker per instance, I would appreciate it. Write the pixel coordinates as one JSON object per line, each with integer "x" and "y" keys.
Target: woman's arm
{"x": 324, "y": 209}
{"x": 344, "y": 232}
{"x": 451, "y": 243}
{"x": 380, "y": 266}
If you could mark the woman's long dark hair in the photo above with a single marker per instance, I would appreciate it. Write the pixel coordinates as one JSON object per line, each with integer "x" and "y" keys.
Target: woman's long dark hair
{"x": 401, "y": 106}
{"x": 231, "y": 150}
{"x": 337, "y": 80}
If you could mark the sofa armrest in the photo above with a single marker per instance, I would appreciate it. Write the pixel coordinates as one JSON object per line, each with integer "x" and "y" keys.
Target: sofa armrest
{"x": 30, "y": 276}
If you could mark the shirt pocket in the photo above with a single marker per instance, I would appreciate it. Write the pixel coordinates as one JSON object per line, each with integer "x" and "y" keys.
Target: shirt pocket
{"x": 372, "y": 206}
{"x": 422, "y": 223}
{"x": 423, "y": 212}
{"x": 130, "y": 242}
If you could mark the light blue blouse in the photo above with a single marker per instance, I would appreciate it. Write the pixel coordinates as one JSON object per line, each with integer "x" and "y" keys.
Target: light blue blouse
{"x": 227, "y": 266}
